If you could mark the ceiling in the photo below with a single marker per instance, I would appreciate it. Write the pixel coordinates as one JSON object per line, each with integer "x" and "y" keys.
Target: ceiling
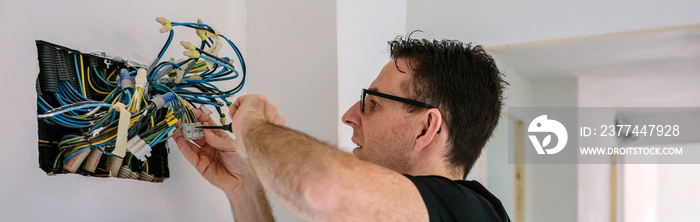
{"x": 645, "y": 68}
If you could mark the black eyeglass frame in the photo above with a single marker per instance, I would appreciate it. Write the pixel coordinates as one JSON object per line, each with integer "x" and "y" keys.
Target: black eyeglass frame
{"x": 365, "y": 92}
{"x": 395, "y": 98}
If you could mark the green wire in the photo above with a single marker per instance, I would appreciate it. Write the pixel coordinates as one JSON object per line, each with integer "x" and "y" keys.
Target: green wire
{"x": 60, "y": 144}
{"x": 171, "y": 135}
{"x": 55, "y": 162}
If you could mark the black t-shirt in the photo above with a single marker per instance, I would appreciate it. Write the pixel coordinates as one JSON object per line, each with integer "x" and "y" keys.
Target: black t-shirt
{"x": 458, "y": 200}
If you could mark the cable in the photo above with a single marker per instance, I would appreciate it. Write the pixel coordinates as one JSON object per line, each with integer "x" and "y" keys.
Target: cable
{"x": 154, "y": 108}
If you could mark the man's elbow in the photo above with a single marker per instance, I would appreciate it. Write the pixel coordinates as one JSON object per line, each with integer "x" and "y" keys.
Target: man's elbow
{"x": 324, "y": 196}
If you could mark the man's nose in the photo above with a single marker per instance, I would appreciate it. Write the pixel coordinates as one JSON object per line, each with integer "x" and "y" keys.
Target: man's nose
{"x": 352, "y": 116}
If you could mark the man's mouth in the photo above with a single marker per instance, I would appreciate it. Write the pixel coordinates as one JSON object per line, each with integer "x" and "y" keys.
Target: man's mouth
{"x": 356, "y": 143}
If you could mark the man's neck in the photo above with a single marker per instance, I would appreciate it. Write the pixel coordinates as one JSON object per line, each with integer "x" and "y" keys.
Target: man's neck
{"x": 434, "y": 169}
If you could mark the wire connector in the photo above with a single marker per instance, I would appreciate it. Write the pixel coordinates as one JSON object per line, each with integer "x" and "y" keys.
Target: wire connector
{"x": 192, "y": 50}
{"x": 139, "y": 148}
{"x": 161, "y": 100}
{"x": 190, "y": 131}
{"x": 167, "y": 24}
{"x": 141, "y": 79}
{"x": 125, "y": 80}
{"x": 201, "y": 33}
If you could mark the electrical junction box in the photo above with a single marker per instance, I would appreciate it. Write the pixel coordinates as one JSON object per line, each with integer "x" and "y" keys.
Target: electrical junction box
{"x": 104, "y": 116}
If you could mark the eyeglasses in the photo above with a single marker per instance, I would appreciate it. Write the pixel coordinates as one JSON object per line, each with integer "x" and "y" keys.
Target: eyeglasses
{"x": 395, "y": 98}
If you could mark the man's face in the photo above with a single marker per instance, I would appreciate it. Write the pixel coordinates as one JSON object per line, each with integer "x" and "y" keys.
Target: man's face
{"x": 382, "y": 130}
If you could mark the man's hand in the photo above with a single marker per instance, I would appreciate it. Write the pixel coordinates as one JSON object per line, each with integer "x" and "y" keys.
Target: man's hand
{"x": 215, "y": 157}
{"x": 247, "y": 110}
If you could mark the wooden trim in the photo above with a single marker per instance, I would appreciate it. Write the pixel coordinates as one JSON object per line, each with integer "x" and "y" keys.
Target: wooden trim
{"x": 592, "y": 37}
{"x": 613, "y": 188}
{"x": 519, "y": 157}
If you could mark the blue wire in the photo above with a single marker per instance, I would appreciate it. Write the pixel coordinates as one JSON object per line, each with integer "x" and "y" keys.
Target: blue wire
{"x": 240, "y": 57}
{"x": 81, "y": 149}
{"x": 45, "y": 115}
{"x": 167, "y": 44}
{"x": 73, "y": 154}
{"x": 163, "y": 65}
{"x": 60, "y": 118}
{"x": 77, "y": 70}
{"x": 194, "y": 99}
{"x": 160, "y": 137}
{"x": 101, "y": 122}
{"x": 161, "y": 85}
{"x": 60, "y": 101}
{"x": 217, "y": 62}
{"x": 102, "y": 78}
{"x": 189, "y": 23}
{"x": 67, "y": 93}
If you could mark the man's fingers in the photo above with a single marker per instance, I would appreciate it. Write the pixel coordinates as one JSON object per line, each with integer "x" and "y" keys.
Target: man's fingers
{"x": 203, "y": 117}
{"x": 190, "y": 153}
{"x": 224, "y": 143}
{"x": 235, "y": 105}
{"x": 280, "y": 120}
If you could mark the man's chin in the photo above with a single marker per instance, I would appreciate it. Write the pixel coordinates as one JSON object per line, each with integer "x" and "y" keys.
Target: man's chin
{"x": 357, "y": 152}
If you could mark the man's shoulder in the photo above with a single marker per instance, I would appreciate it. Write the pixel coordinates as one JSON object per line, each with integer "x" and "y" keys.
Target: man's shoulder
{"x": 457, "y": 200}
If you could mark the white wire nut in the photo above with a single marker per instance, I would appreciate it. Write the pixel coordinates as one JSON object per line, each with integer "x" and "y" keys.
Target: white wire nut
{"x": 141, "y": 79}
{"x": 139, "y": 148}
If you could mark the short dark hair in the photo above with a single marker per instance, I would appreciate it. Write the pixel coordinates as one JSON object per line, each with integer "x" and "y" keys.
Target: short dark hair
{"x": 463, "y": 82}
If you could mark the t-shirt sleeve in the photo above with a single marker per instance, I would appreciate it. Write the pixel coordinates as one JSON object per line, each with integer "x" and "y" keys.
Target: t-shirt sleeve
{"x": 448, "y": 200}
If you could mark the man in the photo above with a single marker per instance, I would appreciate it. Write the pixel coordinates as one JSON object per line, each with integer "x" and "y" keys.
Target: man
{"x": 419, "y": 128}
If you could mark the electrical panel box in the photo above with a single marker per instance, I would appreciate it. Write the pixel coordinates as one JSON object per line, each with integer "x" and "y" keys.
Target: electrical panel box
{"x": 105, "y": 116}
{"x": 59, "y": 84}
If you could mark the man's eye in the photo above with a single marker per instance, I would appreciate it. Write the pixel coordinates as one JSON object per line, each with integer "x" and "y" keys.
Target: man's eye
{"x": 372, "y": 103}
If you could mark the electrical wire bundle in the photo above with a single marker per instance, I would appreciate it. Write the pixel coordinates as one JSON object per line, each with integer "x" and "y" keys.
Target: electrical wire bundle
{"x": 101, "y": 116}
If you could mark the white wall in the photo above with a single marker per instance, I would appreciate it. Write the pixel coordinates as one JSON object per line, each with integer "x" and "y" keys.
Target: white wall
{"x": 500, "y": 175}
{"x": 594, "y": 179}
{"x": 292, "y": 61}
{"x": 679, "y": 198}
{"x": 662, "y": 192}
{"x": 641, "y": 193}
{"x": 121, "y": 28}
{"x": 364, "y": 27}
{"x": 504, "y": 22}
{"x": 551, "y": 189}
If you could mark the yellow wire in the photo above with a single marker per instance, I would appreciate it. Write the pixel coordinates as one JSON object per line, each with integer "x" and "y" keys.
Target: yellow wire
{"x": 81, "y": 74}
{"x": 146, "y": 163}
{"x": 143, "y": 97}
{"x": 152, "y": 122}
{"x": 131, "y": 123}
{"x": 90, "y": 82}
{"x": 116, "y": 99}
{"x": 110, "y": 76}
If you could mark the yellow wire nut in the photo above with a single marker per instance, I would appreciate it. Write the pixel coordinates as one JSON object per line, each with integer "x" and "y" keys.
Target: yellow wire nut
{"x": 187, "y": 105}
{"x": 191, "y": 54}
{"x": 172, "y": 122}
{"x": 170, "y": 114}
{"x": 202, "y": 35}
{"x": 222, "y": 120}
{"x": 188, "y": 45}
{"x": 167, "y": 24}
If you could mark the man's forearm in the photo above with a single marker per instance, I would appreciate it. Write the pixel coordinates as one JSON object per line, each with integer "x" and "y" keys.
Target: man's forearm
{"x": 249, "y": 203}
{"x": 288, "y": 162}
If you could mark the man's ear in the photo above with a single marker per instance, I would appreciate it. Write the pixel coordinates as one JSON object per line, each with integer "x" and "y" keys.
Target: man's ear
{"x": 430, "y": 125}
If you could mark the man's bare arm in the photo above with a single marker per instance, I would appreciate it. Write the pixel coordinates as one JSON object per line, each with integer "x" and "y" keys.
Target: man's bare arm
{"x": 217, "y": 161}
{"x": 250, "y": 204}
{"x": 322, "y": 183}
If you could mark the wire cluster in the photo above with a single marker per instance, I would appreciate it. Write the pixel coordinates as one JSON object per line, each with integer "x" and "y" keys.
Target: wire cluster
{"x": 84, "y": 101}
